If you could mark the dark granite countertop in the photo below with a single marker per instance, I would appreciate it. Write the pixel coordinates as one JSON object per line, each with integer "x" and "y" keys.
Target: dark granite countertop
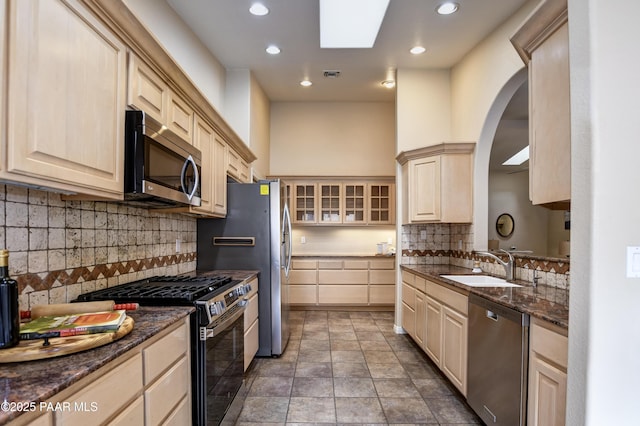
{"x": 543, "y": 302}
{"x": 336, "y": 256}
{"x": 36, "y": 381}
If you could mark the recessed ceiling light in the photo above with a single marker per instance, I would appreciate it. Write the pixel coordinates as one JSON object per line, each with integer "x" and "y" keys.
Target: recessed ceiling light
{"x": 273, "y": 49}
{"x": 417, "y": 50}
{"x": 447, "y": 8}
{"x": 519, "y": 158}
{"x": 389, "y": 84}
{"x": 258, "y": 9}
{"x": 306, "y": 83}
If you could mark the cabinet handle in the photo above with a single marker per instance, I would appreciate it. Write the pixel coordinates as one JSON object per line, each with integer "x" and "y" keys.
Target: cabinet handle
{"x": 490, "y": 413}
{"x": 492, "y": 315}
{"x": 183, "y": 174}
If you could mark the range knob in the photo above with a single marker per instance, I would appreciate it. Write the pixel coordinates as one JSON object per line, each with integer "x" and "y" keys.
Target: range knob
{"x": 216, "y": 308}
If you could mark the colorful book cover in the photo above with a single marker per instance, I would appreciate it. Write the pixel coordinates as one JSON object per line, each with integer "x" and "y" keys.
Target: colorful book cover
{"x": 72, "y": 325}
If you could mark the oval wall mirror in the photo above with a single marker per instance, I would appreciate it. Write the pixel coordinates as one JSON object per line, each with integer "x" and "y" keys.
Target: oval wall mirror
{"x": 505, "y": 225}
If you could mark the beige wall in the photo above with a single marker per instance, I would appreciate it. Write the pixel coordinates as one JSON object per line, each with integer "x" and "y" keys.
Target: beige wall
{"x": 337, "y": 240}
{"x": 604, "y": 341}
{"x": 423, "y": 99}
{"x": 509, "y": 193}
{"x": 237, "y": 98}
{"x": 171, "y": 31}
{"x": 260, "y": 132}
{"x": 482, "y": 84}
{"x": 332, "y": 138}
{"x": 478, "y": 78}
{"x": 248, "y": 112}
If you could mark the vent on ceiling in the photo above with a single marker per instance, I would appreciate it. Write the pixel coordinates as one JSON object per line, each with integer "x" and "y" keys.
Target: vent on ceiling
{"x": 331, "y": 73}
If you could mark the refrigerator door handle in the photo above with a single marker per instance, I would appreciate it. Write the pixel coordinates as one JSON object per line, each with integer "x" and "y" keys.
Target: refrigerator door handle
{"x": 286, "y": 224}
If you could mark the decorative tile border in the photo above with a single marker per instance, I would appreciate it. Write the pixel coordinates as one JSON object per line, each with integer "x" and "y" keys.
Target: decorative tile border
{"x": 534, "y": 263}
{"x": 108, "y": 270}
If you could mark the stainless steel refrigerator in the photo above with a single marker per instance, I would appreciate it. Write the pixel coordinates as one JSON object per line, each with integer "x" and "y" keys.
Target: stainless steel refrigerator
{"x": 255, "y": 235}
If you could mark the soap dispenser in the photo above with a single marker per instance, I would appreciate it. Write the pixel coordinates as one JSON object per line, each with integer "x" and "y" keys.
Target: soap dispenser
{"x": 476, "y": 267}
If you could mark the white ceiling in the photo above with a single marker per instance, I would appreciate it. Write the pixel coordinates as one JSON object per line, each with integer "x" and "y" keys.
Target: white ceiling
{"x": 238, "y": 40}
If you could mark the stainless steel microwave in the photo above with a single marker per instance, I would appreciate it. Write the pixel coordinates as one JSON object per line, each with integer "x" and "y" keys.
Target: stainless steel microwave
{"x": 161, "y": 169}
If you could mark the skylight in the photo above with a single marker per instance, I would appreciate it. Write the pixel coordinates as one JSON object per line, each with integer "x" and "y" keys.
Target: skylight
{"x": 350, "y": 24}
{"x": 519, "y": 158}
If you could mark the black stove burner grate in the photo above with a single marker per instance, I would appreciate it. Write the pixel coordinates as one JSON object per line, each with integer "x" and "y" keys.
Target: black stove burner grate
{"x": 160, "y": 291}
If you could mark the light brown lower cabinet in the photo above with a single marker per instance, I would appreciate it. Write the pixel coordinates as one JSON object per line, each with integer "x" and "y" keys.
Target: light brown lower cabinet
{"x": 149, "y": 385}
{"x": 343, "y": 281}
{"x": 251, "y": 321}
{"x": 436, "y": 319}
{"x": 408, "y": 309}
{"x": 433, "y": 340}
{"x": 548, "y": 352}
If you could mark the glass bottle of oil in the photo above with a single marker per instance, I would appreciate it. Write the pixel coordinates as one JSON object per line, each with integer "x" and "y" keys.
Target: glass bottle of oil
{"x": 9, "y": 314}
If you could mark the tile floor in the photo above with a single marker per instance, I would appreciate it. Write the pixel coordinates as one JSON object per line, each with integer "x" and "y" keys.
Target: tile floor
{"x": 349, "y": 368}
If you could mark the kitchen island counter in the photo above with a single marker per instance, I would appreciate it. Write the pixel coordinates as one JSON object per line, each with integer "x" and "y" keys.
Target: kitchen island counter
{"x": 543, "y": 302}
{"x": 33, "y": 382}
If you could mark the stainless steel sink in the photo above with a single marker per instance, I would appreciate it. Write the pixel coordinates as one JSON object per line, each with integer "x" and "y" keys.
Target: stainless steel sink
{"x": 480, "y": 281}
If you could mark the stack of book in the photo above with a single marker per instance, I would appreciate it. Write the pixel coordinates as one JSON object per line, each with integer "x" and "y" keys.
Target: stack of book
{"x": 72, "y": 325}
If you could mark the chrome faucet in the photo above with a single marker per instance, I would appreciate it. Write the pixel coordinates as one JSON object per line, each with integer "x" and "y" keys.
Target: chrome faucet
{"x": 509, "y": 266}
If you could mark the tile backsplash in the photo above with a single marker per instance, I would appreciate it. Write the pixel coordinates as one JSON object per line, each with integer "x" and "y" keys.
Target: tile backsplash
{"x": 59, "y": 249}
{"x": 433, "y": 244}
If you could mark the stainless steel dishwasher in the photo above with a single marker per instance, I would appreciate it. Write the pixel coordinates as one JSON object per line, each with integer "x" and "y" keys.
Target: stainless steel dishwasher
{"x": 497, "y": 362}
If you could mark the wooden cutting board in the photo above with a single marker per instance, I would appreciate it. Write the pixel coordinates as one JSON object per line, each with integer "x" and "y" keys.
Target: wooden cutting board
{"x": 29, "y": 350}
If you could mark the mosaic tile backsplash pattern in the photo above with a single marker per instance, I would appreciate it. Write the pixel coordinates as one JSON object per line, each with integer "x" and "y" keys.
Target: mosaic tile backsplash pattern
{"x": 59, "y": 249}
{"x": 441, "y": 244}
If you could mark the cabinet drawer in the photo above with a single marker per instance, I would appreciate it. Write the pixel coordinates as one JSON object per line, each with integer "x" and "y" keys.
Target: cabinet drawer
{"x": 113, "y": 390}
{"x": 181, "y": 415}
{"x": 382, "y": 294}
{"x": 455, "y": 300}
{"x": 159, "y": 356}
{"x": 251, "y": 312}
{"x": 132, "y": 416}
{"x": 343, "y": 294}
{"x": 382, "y": 264}
{"x": 343, "y": 277}
{"x": 166, "y": 393}
{"x": 356, "y": 264}
{"x": 303, "y": 294}
{"x": 330, "y": 264}
{"x": 382, "y": 277}
{"x": 303, "y": 277}
{"x": 420, "y": 284}
{"x": 408, "y": 278}
{"x": 550, "y": 342}
{"x": 304, "y": 264}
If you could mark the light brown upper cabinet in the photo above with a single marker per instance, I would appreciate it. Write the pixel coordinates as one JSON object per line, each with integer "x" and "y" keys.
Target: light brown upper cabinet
{"x": 237, "y": 167}
{"x": 330, "y": 203}
{"x": 543, "y": 44}
{"x": 147, "y": 92}
{"x": 381, "y": 203}
{"x": 342, "y": 202}
{"x": 438, "y": 183}
{"x": 151, "y": 94}
{"x": 65, "y": 81}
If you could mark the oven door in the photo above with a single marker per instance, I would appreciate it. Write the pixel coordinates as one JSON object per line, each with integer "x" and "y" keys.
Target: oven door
{"x": 224, "y": 365}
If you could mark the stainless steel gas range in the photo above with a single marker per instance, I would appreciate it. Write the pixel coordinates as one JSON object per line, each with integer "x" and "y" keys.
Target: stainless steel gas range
{"x": 217, "y": 330}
